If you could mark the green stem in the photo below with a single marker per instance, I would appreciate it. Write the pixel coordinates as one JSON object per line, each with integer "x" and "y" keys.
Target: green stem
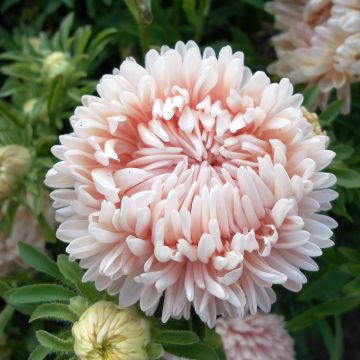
{"x": 144, "y": 37}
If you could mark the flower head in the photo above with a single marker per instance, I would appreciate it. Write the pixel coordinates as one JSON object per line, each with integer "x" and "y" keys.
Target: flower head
{"x": 256, "y": 337}
{"x": 196, "y": 180}
{"x": 57, "y": 63}
{"x": 320, "y": 44}
{"x": 15, "y": 162}
{"x": 24, "y": 228}
{"x": 106, "y": 332}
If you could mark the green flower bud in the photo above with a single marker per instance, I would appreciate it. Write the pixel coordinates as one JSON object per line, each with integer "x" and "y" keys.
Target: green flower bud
{"x": 57, "y": 63}
{"x": 15, "y": 162}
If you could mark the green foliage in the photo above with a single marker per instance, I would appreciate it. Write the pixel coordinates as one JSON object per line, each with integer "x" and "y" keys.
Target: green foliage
{"x": 52, "y": 53}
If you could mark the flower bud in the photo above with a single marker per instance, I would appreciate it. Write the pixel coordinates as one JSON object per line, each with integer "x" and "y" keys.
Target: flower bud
{"x": 57, "y": 63}
{"x": 105, "y": 331}
{"x": 14, "y": 164}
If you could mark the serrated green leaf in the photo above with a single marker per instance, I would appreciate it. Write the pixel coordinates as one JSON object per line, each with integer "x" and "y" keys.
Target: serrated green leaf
{"x": 5, "y": 316}
{"x": 194, "y": 351}
{"x": 40, "y": 293}
{"x": 176, "y": 337}
{"x": 39, "y": 260}
{"x": 39, "y": 353}
{"x": 73, "y": 272}
{"x": 53, "y": 342}
{"x": 53, "y": 311}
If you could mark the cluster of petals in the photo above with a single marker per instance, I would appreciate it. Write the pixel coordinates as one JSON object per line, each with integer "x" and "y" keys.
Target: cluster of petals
{"x": 320, "y": 44}
{"x": 256, "y": 337}
{"x": 194, "y": 181}
{"x": 107, "y": 332}
{"x": 24, "y": 228}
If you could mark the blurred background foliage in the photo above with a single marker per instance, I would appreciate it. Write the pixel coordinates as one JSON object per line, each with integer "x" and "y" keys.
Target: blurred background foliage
{"x": 52, "y": 52}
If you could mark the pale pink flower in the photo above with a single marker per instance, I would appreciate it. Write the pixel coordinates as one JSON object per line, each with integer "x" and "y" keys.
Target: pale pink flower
{"x": 195, "y": 180}
{"x": 320, "y": 45}
{"x": 256, "y": 337}
{"x": 24, "y": 228}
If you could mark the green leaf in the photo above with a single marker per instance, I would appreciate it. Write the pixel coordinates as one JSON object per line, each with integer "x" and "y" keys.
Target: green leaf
{"x": 177, "y": 337}
{"x": 351, "y": 268}
{"x": 194, "y": 351}
{"x": 5, "y": 317}
{"x": 39, "y": 353}
{"x": 310, "y": 95}
{"x": 7, "y": 4}
{"x": 325, "y": 286}
{"x": 40, "y": 293}
{"x": 38, "y": 260}
{"x": 350, "y": 253}
{"x": 302, "y": 321}
{"x": 338, "y": 347}
{"x": 53, "y": 342}
{"x": 8, "y": 114}
{"x": 331, "y": 112}
{"x": 329, "y": 308}
{"x": 154, "y": 350}
{"x": 327, "y": 335}
{"x": 65, "y": 27}
{"x": 73, "y": 273}
{"x": 54, "y": 311}
{"x": 46, "y": 229}
{"x": 133, "y": 9}
{"x": 346, "y": 177}
{"x": 4, "y": 287}
{"x": 336, "y": 306}
{"x": 343, "y": 151}
{"x": 198, "y": 326}
{"x": 353, "y": 287}
{"x": 55, "y": 97}
{"x": 259, "y": 4}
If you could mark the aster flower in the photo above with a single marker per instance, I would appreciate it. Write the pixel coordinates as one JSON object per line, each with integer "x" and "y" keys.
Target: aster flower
{"x": 321, "y": 45}
{"x": 194, "y": 180}
{"x": 24, "y": 228}
{"x": 256, "y": 337}
{"x": 106, "y": 332}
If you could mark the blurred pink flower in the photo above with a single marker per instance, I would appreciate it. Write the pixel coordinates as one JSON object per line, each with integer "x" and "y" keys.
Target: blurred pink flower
{"x": 24, "y": 228}
{"x": 320, "y": 43}
{"x": 256, "y": 337}
{"x": 196, "y": 180}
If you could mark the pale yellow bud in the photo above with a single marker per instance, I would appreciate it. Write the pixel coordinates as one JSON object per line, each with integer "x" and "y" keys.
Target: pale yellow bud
{"x": 107, "y": 332}
{"x": 14, "y": 164}
{"x": 57, "y": 63}
{"x": 313, "y": 119}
